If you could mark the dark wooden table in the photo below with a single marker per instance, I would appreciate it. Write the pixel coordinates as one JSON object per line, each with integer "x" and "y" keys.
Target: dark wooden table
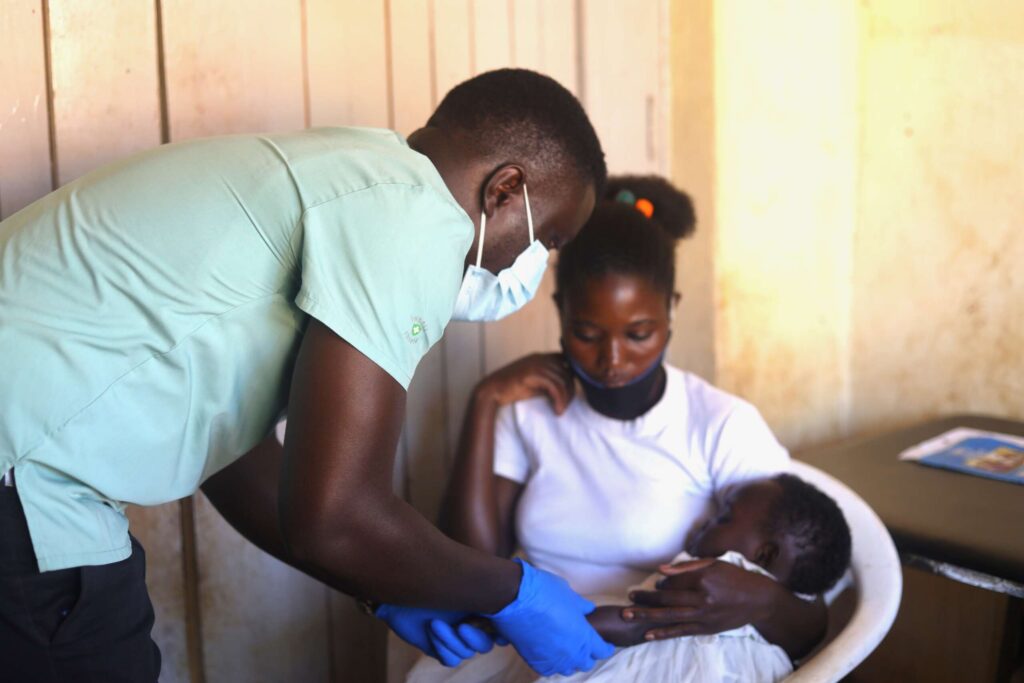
{"x": 967, "y": 528}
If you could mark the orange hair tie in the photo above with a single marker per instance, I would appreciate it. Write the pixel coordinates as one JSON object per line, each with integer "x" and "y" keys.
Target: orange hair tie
{"x": 645, "y": 207}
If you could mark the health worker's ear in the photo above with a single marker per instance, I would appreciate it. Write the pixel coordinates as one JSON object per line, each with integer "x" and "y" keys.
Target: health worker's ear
{"x": 501, "y": 187}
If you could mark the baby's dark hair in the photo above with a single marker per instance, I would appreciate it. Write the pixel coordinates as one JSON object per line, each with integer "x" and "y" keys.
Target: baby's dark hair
{"x": 816, "y": 524}
{"x": 522, "y": 115}
{"x": 620, "y": 239}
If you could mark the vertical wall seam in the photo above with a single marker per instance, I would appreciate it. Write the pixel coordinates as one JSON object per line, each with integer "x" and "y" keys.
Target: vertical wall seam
{"x": 442, "y": 350}
{"x": 846, "y": 398}
{"x": 471, "y": 11}
{"x": 663, "y": 134}
{"x": 161, "y": 75}
{"x": 389, "y": 66}
{"x": 713, "y": 192}
{"x": 432, "y": 50}
{"x": 332, "y": 660}
{"x": 510, "y": 9}
{"x": 581, "y": 50}
{"x": 304, "y": 43}
{"x": 50, "y": 113}
{"x": 190, "y": 569}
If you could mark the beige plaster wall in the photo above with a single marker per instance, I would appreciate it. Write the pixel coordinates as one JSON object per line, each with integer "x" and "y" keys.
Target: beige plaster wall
{"x": 863, "y": 201}
{"x": 938, "y": 305}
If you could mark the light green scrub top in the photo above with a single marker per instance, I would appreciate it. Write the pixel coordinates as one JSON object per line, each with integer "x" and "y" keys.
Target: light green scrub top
{"x": 150, "y": 312}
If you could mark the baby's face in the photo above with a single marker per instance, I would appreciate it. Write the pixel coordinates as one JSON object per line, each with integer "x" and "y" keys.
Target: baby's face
{"x": 739, "y": 525}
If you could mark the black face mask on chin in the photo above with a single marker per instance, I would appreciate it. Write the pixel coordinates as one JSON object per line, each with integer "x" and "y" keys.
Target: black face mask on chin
{"x": 629, "y": 401}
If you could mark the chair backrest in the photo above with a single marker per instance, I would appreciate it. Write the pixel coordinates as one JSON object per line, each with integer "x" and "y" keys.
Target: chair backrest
{"x": 877, "y": 580}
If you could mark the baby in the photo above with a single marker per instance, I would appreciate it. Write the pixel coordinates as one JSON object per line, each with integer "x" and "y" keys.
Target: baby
{"x": 782, "y": 527}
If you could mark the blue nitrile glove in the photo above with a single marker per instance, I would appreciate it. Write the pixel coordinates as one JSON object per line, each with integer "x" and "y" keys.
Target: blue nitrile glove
{"x": 547, "y": 625}
{"x": 413, "y": 625}
{"x": 456, "y": 642}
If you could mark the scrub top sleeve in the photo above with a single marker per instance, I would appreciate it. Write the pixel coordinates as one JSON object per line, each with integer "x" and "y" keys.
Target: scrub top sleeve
{"x": 382, "y": 267}
{"x": 510, "y": 457}
{"x": 746, "y": 449}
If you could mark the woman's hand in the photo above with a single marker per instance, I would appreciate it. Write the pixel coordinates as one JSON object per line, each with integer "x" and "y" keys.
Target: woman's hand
{"x": 539, "y": 374}
{"x": 710, "y": 596}
{"x": 702, "y": 597}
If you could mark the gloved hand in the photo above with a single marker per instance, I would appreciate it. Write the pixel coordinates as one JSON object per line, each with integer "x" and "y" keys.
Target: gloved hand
{"x": 547, "y": 625}
{"x": 453, "y": 641}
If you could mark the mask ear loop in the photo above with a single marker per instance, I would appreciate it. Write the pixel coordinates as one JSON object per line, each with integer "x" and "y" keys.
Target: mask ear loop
{"x": 529, "y": 214}
{"x": 483, "y": 232}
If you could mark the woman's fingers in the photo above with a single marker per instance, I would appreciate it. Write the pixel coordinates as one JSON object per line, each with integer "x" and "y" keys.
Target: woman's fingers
{"x": 695, "y": 628}
{"x": 534, "y": 375}
{"x": 555, "y": 384}
{"x": 668, "y": 598}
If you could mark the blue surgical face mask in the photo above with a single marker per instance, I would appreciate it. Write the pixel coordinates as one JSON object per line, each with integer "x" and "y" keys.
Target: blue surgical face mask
{"x": 626, "y": 402}
{"x": 485, "y": 296}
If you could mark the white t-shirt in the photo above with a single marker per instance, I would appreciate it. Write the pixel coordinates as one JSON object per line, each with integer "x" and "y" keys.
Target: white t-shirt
{"x": 606, "y": 501}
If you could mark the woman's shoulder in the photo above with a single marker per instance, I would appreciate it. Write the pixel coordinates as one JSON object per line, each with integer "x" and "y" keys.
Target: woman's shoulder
{"x": 705, "y": 404}
{"x": 529, "y": 412}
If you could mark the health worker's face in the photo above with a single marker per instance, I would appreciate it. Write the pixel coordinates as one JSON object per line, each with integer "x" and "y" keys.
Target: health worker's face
{"x": 614, "y": 326}
{"x": 558, "y": 215}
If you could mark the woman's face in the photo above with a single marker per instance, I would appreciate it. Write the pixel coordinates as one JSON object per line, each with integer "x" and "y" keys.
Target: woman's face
{"x": 614, "y": 326}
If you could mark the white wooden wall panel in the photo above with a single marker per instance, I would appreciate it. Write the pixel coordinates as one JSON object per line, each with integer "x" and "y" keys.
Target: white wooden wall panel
{"x": 625, "y": 96}
{"x": 346, "y": 63}
{"x": 104, "y": 82}
{"x": 492, "y": 34}
{"x": 233, "y": 66}
{"x": 159, "y": 531}
{"x": 24, "y": 106}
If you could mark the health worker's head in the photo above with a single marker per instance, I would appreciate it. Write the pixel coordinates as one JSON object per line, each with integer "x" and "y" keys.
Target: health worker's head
{"x": 499, "y": 133}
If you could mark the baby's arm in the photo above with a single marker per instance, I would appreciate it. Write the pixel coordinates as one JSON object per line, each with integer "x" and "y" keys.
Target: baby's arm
{"x": 608, "y": 621}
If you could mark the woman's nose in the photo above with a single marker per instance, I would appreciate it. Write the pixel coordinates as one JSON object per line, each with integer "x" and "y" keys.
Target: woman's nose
{"x": 611, "y": 355}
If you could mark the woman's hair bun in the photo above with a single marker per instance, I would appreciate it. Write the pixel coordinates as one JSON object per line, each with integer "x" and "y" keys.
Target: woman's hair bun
{"x": 673, "y": 209}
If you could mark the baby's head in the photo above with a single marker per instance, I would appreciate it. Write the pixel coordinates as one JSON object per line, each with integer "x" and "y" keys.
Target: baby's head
{"x": 785, "y": 525}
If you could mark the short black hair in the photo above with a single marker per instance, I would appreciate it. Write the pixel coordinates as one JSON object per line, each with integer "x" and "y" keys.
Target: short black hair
{"x": 509, "y": 111}
{"x": 817, "y": 525}
{"x": 618, "y": 238}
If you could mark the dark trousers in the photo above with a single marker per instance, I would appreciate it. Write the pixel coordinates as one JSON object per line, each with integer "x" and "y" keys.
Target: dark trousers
{"x": 82, "y": 625}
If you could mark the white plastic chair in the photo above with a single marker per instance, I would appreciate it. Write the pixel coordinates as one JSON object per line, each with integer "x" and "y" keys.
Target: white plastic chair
{"x": 877, "y": 582}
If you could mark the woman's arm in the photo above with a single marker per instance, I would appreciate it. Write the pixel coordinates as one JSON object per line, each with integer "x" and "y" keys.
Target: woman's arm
{"x": 710, "y": 596}
{"x": 479, "y": 506}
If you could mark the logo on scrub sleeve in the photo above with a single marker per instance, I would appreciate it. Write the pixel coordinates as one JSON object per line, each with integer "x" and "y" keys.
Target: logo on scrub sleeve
{"x": 417, "y": 331}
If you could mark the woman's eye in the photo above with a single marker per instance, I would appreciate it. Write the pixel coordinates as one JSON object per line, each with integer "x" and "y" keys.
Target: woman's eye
{"x": 640, "y": 336}
{"x": 584, "y": 336}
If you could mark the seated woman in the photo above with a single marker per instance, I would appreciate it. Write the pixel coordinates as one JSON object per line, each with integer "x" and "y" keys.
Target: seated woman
{"x": 604, "y": 488}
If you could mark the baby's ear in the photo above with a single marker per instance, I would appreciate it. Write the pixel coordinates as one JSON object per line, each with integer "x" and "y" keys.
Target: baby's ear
{"x": 766, "y": 554}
